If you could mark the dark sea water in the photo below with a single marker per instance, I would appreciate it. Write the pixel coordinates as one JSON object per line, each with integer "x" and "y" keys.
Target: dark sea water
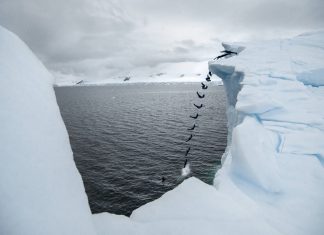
{"x": 126, "y": 137}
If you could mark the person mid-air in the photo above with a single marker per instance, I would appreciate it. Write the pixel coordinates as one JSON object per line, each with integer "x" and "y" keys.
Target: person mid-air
{"x": 188, "y": 150}
{"x": 208, "y": 78}
{"x": 195, "y": 117}
{"x": 190, "y": 137}
{"x": 199, "y": 106}
{"x": 192, "y": 128}
{"x": 185, "y": 163}
{"x": 203, "y": 86}
{"x": 200, "y": 96}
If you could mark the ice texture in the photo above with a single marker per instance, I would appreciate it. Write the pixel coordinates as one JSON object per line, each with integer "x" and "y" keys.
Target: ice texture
{"x": 41, "y": 191}
{"x": 275, "y": 154}
{"x": 256, "y": 164}
{"x": 312, "y": 77}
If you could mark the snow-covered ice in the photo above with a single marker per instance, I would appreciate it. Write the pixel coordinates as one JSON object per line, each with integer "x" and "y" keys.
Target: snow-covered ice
{"x": 256, "y": 164}
{"x": 271, "y": 180}
{"x": 275, "y": 157}
{"x": 41, "y": 190}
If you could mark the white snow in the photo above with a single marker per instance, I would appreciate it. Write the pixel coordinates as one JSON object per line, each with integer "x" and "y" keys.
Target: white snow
{"x": 41, "y": 191}
{"x": 312, "y": 77}
{"x": 192, "y": 208}
{"x": 275, "y": 156}
{"x": 256, "y": 164}
{"x": 271, "y": 180}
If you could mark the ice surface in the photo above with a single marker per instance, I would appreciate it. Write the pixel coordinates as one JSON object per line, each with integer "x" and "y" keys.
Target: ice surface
{"x": 278, "y": 133}
{"x": 312, "y": 77}
{"x": 256, "y": 164}
{"x": 41, "y": 191}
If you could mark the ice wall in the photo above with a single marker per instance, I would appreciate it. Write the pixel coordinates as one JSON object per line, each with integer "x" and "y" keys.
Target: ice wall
{"x": 251, "y": 155}
{"x": 41, "y": 191}
{"x": 274, "y": 154}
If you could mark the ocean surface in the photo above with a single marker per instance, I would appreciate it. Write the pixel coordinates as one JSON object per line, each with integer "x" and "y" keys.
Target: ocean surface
{"x": 126, "y": 137}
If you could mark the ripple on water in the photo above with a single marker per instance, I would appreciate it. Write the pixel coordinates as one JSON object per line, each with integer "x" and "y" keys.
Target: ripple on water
{"x": 126, "y": 137}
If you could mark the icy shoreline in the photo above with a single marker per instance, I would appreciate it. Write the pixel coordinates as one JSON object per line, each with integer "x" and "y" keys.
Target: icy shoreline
{"x": 215, "y": 83}
{"x": 138, "y": 80}
{"x": 271, "y": 180}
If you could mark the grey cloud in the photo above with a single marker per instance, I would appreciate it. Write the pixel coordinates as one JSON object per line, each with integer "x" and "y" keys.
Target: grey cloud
{"x": 180, "y": 50}
{"x": 187, "y": 42}
{"x": 67, "y": 30}
{"x": 85, "y": 36}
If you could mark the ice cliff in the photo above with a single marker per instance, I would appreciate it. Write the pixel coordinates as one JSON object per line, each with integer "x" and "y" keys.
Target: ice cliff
{"x": 271, "y": 180}
{"x": 41, "y": 190}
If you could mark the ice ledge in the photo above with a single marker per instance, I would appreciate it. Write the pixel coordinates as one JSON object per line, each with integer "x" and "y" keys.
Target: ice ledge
{"x": 275, "y": 151}
{"x": 253, "y": 157}
{"x": 41, "y": 190}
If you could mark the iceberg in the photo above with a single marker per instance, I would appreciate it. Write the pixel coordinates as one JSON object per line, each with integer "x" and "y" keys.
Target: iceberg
{"x": 271, "y": 180}
{"x": 41, "y": 190}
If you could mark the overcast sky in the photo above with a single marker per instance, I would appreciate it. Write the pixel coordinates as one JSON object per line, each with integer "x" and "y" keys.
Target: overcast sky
{"x": 82, "y": 36}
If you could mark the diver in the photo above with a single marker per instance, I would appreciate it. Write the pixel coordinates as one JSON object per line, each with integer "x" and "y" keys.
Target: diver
{"x": 199, "y": 106}
{"x": 192, "y": 128}
{"x": 195, "y": 117}
{"x": 200, "y": 96}
{"x": 185, "y": 163}
{"x": 163, "y": 179}
{"x": 226, "y": 53}
{"x": 190, "y": 137}
{"x": 203, "y": 86}
{"x": 229, "y": 52}
{"x": 188, "y": 150}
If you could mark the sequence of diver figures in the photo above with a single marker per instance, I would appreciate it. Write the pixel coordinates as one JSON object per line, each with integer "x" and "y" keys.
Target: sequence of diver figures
{"x": 186, "y": 166}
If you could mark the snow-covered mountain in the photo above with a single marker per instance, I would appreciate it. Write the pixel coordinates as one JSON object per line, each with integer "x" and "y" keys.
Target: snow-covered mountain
{"x": 271, "y": 180}
{"x": 164, "y": 72}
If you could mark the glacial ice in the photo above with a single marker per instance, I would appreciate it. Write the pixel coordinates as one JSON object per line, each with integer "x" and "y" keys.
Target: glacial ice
{"x": 312, "y": 77}
{"x": 275, "y": 156}
{"x": 256, "y": 164}
{"x": 41, "y": 190}
{"x": 271, "y": 180}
